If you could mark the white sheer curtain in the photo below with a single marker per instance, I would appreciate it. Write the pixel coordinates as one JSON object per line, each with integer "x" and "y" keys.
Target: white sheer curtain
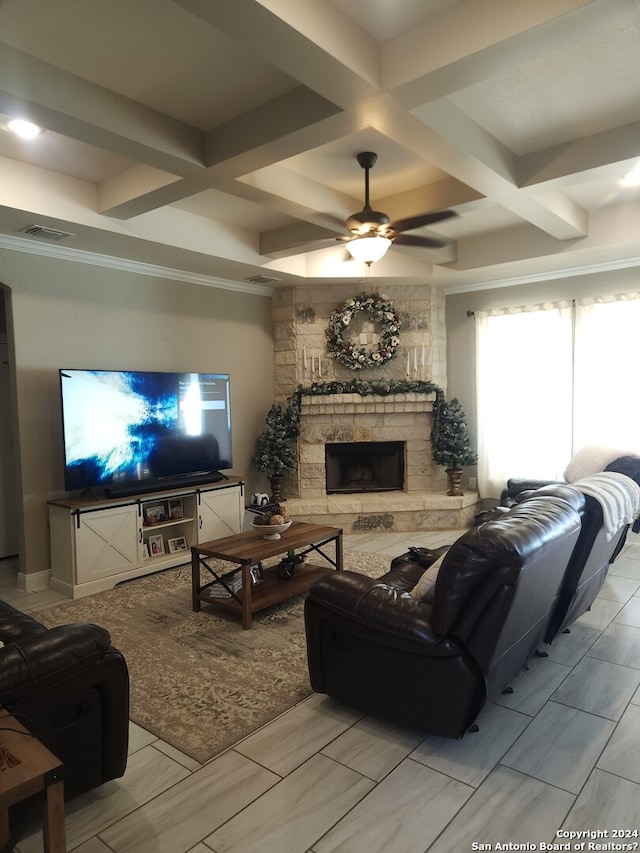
{"x": 523, "y": 394}
{"x": 607, "y": 349}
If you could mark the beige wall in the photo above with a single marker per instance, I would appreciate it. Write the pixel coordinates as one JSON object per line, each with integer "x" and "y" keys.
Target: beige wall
{"x": 461, "y": 331}
{"x": 67, "y": 314}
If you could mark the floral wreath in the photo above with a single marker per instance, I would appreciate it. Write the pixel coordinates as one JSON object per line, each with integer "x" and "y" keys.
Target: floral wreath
{"x": 356, "y": 356}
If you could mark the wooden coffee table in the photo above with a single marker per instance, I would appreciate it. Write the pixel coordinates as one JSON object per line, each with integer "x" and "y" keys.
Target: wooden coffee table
{"x": 244, "y": 549}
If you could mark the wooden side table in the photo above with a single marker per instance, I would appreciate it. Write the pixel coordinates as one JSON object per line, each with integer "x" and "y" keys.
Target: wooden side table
{"x": 29, "y": 768}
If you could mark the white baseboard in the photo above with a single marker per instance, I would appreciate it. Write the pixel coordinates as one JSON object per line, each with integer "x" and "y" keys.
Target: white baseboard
{"x": 34, "y": 581}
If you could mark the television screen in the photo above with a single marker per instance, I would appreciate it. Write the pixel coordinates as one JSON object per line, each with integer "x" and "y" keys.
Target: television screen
{"x": 128, "y": 428}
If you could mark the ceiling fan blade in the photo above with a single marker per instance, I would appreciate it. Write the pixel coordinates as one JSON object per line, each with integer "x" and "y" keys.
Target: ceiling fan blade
{"x": 415, "y": 240}
{"x": 418, "y": 221}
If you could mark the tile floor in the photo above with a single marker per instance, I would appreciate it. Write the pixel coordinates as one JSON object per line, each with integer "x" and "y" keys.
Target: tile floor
{"x": 562, "y": 752}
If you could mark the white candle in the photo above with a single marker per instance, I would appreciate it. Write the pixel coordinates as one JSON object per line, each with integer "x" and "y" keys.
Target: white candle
{"x": 407, "y": 362}
{"x": 304, "y": 357}
{"x": 423, "y": 355}
{"x": 319, "y": 365}
{"x": 415, "y": 359}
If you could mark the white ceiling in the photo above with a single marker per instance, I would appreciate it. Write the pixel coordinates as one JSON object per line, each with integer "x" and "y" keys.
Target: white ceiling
{"x": 220, "y": 138}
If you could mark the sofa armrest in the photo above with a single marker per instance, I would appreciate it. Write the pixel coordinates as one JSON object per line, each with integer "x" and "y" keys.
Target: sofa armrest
{"x": 381, "y": 607}
{"x": 56, "y": 651}
{"x": 15, "y": 625}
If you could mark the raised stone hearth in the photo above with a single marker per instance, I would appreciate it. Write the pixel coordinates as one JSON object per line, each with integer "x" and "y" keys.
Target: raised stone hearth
{"x": 387, "y": 511}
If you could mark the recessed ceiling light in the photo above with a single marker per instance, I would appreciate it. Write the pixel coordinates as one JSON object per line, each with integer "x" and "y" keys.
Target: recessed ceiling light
{"x": 632, "y": 178}
{"x": 24, "y": 129}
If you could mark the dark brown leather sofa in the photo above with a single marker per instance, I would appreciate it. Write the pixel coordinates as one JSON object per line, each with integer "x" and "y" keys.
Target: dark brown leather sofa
{"x": 594, "y": 551}
{"x": 432, "y": 666}
{"x": 69, "y": 686}
{"x": 589, "y": 563}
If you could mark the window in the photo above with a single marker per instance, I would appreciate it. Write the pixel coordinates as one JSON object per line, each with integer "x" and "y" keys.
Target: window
{"x": 524, "y": 390}
{"x": 551, "y": 379}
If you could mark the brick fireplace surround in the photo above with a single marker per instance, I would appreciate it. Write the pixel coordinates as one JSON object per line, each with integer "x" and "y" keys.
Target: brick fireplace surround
{"x": 300, "y": 316}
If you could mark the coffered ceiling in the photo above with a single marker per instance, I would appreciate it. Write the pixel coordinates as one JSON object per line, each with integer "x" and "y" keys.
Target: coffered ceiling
{"x": 219, "y": 138}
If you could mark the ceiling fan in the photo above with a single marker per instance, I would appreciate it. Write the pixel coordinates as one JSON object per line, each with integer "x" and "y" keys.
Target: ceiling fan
{"x": 372, "y": 232}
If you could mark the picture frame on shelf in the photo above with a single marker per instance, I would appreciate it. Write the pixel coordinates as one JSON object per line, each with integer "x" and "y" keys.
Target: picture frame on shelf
{"x": 176, "y": 508}
{"x": 145, "y": 551}
{"x": 154, "y": 513}
{"x": 256, "y": 573}
{"x": 156, "y": 545}
{"x": 179, "y": 543}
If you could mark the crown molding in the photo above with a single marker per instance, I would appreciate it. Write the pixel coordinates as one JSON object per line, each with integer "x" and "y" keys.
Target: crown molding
{"x": 33, "y": 247}
{"x": 81, "y": 256}
{"x": 542, "y": 275}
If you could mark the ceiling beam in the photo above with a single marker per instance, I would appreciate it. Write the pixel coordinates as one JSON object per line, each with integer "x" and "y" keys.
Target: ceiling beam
{"x": 576, "y": 160}
{"x": 253, "y": 141}
{"x": 294, "y": 239}
{"x": 472, "y": 155}
{"x": 71, "y": 106}
{"x": 313, "y": 42}
{"x": 298, "y": 113}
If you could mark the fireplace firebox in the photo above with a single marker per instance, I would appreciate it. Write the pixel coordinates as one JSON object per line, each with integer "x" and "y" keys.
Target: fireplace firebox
{"x": 364, "y": 466}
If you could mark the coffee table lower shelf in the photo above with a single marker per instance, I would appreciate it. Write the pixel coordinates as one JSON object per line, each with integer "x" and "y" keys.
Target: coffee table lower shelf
{"x": 270, "y": 591}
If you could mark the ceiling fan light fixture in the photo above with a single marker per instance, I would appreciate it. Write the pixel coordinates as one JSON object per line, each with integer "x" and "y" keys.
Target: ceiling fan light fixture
{"x": 368, "y": 249}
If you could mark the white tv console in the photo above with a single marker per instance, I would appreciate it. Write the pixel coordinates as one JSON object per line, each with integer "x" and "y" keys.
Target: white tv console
{"x": 96, "y": 544}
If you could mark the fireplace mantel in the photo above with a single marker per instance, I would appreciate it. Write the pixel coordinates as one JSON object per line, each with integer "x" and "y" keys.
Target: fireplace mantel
{"x": 352, "y": 404}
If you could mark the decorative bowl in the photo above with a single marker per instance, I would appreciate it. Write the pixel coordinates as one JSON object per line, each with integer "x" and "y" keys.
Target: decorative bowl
{"x": 272, "y": 531}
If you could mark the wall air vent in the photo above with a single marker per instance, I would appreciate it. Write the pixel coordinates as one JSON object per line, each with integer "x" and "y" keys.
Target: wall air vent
{"x": 45, "y": 233}
{"x": 261, "y": 279}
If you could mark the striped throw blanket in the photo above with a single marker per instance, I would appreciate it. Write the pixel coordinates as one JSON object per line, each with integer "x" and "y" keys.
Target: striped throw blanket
{"x": 618, "y": 495}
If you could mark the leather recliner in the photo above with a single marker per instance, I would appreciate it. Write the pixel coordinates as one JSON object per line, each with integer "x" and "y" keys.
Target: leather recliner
{"x": 432, "y": 666}
{"x": 69, "y": 686}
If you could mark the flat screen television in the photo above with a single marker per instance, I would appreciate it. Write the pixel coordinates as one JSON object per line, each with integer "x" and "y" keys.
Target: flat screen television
{"x": 128, "y": 431}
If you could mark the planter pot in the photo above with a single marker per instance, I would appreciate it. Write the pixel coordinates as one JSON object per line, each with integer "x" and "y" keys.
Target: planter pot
{"x": 455, "y": 481}
{"x": 287, "y": 568}
{"x": 276, "y": 484}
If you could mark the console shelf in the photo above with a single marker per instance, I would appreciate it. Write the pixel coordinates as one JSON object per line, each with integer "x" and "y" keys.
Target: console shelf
{"x": 96, "y": 544}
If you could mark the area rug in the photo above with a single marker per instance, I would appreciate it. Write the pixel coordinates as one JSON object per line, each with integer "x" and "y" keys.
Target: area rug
{"x": 198, "y": 680}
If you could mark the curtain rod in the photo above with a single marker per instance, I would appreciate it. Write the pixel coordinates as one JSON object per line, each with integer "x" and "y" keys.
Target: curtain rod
{"x": 473, "y": 313}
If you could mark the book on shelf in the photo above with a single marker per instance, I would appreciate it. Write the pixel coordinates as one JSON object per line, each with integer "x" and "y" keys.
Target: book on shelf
{"x": 217, "y": 590}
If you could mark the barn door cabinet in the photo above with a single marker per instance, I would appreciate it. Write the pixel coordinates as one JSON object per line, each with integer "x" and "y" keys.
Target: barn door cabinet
{"x": 96, "y": 544}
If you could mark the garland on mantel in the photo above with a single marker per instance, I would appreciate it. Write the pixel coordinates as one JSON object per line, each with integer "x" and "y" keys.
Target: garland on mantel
{"x": 363, "y": 387}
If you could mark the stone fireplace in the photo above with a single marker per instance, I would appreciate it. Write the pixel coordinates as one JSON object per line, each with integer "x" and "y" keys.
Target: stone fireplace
{"x": 351, "y": 420}
{"x": 347, "y": 422}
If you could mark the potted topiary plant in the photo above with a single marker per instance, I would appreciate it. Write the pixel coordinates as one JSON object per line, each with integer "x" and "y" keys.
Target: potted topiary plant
{"x": 275, "y": 449}
{"x": 451, "y": 445}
